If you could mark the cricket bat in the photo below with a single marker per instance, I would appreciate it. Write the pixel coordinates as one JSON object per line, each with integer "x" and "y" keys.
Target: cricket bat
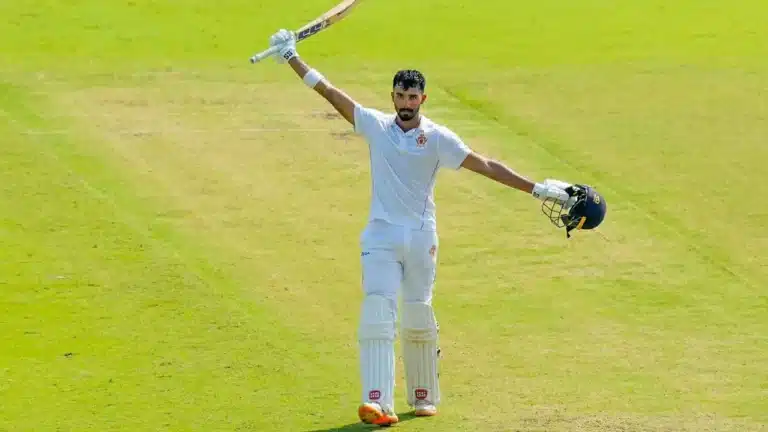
{"x": 336, "y": 14}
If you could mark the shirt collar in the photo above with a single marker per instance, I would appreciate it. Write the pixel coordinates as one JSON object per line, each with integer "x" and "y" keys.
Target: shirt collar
{"x": 415, "y": 131}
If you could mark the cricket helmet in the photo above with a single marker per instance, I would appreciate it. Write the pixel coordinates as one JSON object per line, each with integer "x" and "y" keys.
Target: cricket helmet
{"x": 585, "y": 209}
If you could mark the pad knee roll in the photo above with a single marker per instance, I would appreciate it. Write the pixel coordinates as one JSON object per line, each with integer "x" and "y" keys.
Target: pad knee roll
{"x": 419, "y": 322}
{"x": 377, "y": 318}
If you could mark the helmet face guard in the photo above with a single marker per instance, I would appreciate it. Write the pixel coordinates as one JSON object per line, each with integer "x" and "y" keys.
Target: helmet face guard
{"x": 585, "y": 209}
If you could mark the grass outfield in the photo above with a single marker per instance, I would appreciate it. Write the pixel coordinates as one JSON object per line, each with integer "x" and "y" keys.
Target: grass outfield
{"x": 179, "y": 228}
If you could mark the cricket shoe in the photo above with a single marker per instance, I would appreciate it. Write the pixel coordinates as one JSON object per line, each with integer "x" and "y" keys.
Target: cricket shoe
{"x": 373, "y": 413}
{"x": 424, "y": 409}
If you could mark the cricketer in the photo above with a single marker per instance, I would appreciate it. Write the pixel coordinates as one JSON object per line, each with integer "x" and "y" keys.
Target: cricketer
{"x": 399, "y": 245}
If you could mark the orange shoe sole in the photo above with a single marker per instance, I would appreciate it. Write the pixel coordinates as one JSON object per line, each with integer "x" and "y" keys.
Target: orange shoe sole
{"x": 372, "y": 414}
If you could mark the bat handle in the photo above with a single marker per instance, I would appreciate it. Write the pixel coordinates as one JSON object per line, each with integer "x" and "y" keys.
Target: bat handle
{"x": 264, "y": 54}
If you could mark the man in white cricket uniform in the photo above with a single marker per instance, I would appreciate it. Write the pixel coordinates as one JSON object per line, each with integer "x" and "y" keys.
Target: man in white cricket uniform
{"x": 399, "y": 244}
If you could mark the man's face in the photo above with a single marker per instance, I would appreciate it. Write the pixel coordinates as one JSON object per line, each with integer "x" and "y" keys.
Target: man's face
{"x": 407, "y": 102}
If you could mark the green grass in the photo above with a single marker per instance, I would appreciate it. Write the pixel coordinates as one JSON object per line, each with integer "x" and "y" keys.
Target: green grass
{"x": 179, "y": 228}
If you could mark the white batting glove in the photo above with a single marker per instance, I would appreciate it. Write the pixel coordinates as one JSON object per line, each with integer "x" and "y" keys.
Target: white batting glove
{"x": 551, "y": 190}
{"x": 562, "y": 185}
{"x": 286, "y": 40}
{"x": 559, "y": 183}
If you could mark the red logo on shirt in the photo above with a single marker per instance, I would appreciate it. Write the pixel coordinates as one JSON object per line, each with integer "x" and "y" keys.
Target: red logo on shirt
{"x": 421, "y": 141}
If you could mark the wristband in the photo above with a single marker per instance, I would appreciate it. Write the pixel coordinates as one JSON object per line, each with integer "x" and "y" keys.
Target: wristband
{"x": 312, "y": 78}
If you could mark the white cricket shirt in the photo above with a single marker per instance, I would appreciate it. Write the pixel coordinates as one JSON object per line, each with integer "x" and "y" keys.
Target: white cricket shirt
{"x": 404, "y": 166}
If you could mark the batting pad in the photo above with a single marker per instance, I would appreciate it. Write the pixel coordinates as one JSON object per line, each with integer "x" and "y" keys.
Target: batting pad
{"x": 377, "y": 352}
{"x": 419, "y": 328}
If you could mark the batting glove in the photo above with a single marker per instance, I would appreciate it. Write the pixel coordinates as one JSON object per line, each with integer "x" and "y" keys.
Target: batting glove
{"x": 558, "y": 183}
{"x": 564, "y": 186}
{"x": 551, "y": 189}
{"x": 286, "y": 40}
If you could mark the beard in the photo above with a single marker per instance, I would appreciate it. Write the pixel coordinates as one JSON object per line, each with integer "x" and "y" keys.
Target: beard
{"x": 406, "y": 114}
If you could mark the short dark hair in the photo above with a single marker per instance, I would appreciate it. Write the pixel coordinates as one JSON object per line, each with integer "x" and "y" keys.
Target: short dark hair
{"x": 408, "y": 78}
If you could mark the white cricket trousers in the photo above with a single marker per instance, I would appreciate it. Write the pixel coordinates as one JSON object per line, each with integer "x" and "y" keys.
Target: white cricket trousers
{"x": 398, "y": 260}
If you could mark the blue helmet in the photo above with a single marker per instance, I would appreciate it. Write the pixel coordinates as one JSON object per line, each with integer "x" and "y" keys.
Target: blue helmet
{"x": 584, "y": 211}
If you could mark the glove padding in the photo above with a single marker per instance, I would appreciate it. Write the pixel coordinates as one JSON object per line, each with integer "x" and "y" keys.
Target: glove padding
{"x": 564, "y": 186}
{"x": 286, "y": 40}
{"x": 554, "y": 189}
{"x": 559, "y": 183}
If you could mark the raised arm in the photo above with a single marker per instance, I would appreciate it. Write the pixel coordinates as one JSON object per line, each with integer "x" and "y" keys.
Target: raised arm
{"x": 344, "y": 104}
{"x": 311, "y": 77}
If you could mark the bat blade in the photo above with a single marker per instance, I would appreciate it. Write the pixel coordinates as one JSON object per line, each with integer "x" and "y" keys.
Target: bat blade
{"x": 329, "y": 18}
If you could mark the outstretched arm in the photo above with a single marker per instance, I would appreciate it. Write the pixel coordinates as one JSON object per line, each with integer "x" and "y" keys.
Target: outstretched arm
{"x": 455, "y": 154}
{"x": 497, "y": 171}
{"x": 501, "y": 173}
{"x": 344, "y": 104}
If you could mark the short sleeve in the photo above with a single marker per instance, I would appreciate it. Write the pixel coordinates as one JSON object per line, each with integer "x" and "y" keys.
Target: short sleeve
{"x": 366, "y": 120}
{"x": 451, "y": 149}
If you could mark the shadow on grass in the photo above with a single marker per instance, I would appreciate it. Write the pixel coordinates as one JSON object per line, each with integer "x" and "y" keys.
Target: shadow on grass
{"x": 404, "y": 417}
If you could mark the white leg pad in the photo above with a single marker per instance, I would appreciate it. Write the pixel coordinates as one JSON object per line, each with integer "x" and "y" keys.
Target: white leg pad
{"x": 376, "y": 337}
{"x": 420, "y": 353}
